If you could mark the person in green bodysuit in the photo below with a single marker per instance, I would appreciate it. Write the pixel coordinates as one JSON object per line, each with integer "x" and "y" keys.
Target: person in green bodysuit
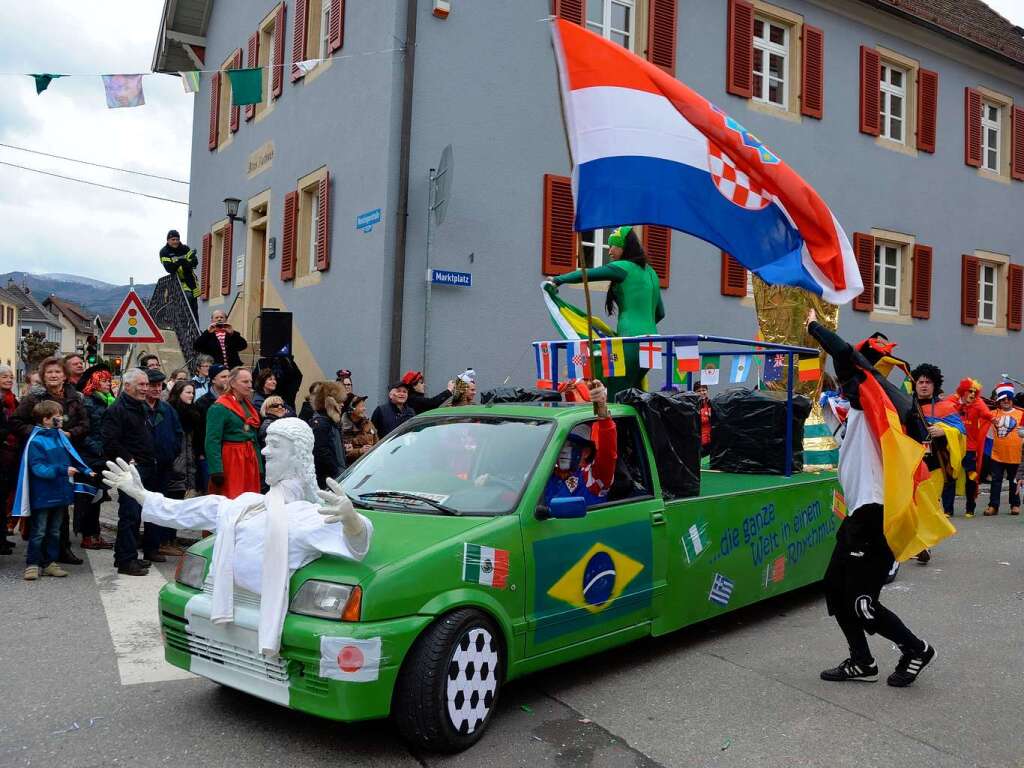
{"x": 634, "y": 293}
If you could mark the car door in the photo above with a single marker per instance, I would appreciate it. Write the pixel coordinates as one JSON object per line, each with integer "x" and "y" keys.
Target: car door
{"x": 594, "y": 576}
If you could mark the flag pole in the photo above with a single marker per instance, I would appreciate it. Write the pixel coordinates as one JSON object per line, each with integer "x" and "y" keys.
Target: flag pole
{"x": 586, "y": 297}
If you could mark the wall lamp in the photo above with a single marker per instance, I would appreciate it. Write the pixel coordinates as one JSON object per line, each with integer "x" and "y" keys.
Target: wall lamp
{"x": 231, "y": 209}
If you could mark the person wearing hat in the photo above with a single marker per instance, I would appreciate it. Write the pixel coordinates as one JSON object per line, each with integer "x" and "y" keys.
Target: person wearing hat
{"x": 357, "y": 431}
{"x": 1007, "y": 426}
{"x": 463, "y": 389}
{"x": 218, "y": 385}
{"x": 418, "y": 400}
{"x": 180, "y": 260}
{"x": 977, "y": 419}
{"x": 634, "y": 292}
{"x": 165, "y": 425}
{"x": 95, "y": 387}
{"x": 585, "y": 466}
{"x": 395, "y": 412}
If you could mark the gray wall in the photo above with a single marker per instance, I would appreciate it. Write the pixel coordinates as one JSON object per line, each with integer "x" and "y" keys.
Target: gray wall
{"x": 486, "y": 83}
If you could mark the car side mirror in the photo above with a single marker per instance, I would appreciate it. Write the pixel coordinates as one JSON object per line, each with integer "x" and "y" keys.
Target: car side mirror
{"x": 567, "y": 507}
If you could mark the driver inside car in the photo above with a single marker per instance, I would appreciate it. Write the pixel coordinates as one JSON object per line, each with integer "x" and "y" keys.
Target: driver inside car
{"x": 586, "y": 463}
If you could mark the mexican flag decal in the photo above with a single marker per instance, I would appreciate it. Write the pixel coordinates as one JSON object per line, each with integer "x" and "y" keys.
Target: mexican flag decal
{"x": 485, "y": 565}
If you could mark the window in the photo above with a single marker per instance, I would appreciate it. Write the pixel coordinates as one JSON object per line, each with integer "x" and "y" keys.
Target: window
{"x": 991, "y": 129}
{"x": 613, "y": 19}
{"x": 987, "y": 297}
{"x": 325, "y": 31}
{"x": 893, "y": 103}
{"x": 312, "y": 200}
{"x": 595, "y": 247}
{"x": 888, "y": 266}
{"x": 216, "y": 260}
{"x": 771, "y": 54}
{"x": 306, "y": 248}
{"x": 267, "y": 58}
{"x": 227, "y": 115}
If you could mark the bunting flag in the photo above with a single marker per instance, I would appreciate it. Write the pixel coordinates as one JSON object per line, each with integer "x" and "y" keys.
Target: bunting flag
{"x": 774, "y": 365}
{"x": 123, "y": 91}
{"x": 651, "y": 353}
{"x": 578, "y": 365}
{"x": 687, "y": 358}
{"x": 810, "y": 368}
{"x": 739, "y": 369}
{"x": 542, "y": 354}
{"x": 683, "y": 378}
{"x": 710, "y": 370}
{"x": 306, "y": 66}
{"x": 613, "y": 357}
{"x": 190, "y": 81}
{"x": 246, "y": 86}
{"x": 43, "y": 81}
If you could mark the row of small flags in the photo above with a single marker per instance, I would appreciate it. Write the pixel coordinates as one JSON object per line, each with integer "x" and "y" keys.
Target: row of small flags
{"x": 687, "y": 360}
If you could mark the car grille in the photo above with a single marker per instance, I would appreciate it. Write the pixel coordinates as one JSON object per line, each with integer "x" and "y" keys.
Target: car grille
{"x": 239, "y": 596}
{"x": 241, "y": 659}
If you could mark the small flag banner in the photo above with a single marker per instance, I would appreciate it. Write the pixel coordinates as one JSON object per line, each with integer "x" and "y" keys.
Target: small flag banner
{"x": 809, "y": 368}
{"x": 775, "y": 571}
{"x": 721, "y": 590}
{"x": 710, "y": 369}
{"x": 651, "y": 353}
{"x": 687, "y": 358}
{"x": 190, "y": 81}
{"x": 485, "y": 565}
{"x": 695, "y": 540}
{"x": 683, "y": 378}
{"x": 838, "y": 504}
{"x": 578, "y": 364}
{"x": 542, "y": 356}
{"x": 306, "y": 66}
{"x": 613, "y": 357}
{"x": 246, "y": 86}
{"x": 739, "y": 369}
{"x": 123, "y": 91}
{"x": 43, "y": 81}
{"x": 774, "y": 365}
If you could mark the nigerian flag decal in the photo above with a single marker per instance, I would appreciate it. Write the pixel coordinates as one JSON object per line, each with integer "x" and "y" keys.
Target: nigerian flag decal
{"x": 485, "y": 565}
{"x": 695, "y": 540}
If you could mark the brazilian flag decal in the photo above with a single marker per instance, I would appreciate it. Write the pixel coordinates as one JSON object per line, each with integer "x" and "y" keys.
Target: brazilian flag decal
{"x": 588, "y": 579}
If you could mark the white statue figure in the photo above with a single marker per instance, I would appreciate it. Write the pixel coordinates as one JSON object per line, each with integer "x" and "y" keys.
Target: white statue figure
{"x": 262, "y": 539}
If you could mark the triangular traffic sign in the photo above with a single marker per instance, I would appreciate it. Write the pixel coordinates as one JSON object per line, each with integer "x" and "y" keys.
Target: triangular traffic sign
{"x": 132, "y": 324}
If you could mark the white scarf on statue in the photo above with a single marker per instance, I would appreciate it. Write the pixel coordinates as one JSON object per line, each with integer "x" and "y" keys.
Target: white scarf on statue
{"x": 274, "y": 575}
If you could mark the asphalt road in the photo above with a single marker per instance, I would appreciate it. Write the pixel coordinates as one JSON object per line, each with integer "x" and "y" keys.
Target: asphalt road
{"x": 739, "y": 691}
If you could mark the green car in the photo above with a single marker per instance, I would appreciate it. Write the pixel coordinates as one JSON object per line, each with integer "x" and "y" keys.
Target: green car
{"x": 472, "y": 581}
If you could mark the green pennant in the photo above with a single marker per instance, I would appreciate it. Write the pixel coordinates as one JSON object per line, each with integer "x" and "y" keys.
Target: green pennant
{"x": 246, "y": 86}
{"x": 43, "y": 81}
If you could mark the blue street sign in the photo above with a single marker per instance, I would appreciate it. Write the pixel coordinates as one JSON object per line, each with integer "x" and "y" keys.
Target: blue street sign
{"x": 365, "y": 221}
{"x": 447, "y": 277}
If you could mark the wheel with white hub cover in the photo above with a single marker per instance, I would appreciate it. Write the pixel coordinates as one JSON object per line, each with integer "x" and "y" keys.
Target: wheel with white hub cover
{"x": 449, "y": 683}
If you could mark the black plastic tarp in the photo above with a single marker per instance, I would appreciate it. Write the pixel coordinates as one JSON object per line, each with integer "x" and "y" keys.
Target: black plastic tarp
{"x": 672, "y": 420}
{"x": 748, "y": 432}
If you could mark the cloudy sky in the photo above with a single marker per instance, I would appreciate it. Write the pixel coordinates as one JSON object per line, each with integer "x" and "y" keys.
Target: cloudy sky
{"x": 51, "y": 225}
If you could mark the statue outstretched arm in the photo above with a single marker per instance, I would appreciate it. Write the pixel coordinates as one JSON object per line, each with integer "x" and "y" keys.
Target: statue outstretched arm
{"x": 356, "y": 530}
{"x": 199, "y": 513}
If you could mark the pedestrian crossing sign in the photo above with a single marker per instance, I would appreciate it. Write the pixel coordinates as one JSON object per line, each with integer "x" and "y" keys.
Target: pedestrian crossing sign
{"x": 132, "y": 324}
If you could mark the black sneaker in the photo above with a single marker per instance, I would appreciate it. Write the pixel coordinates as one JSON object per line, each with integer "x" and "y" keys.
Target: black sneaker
{"x": 924, "y": 556}
{"x": 132, "y": 569}
{"x": 867, "y": 673}
{"x": 910, "y": 666}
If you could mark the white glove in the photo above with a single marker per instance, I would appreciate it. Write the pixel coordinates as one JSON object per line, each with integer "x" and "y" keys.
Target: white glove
{"x": 337, "y": 508}
{"x": 124, "y": 478}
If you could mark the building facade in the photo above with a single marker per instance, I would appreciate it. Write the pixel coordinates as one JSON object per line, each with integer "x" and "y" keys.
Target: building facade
{"x": 76, "y": 324}
{"x": 10, "y": 319}
{"x": 908, "y": 123}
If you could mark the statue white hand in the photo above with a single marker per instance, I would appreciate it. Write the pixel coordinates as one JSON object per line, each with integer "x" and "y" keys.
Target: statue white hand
{"x": 337, "y": 508}
{"x": 124, "y": 478}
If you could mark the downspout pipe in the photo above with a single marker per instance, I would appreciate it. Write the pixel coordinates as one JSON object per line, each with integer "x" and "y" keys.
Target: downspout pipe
{"x": 402, "y": 219}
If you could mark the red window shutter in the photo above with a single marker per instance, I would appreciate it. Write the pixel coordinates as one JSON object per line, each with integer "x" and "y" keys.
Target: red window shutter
{"x": 337, "y": 38}
{"x": 870, "y": 91}
{"x": 969, "y": 290}
{"x": 812, "y": 66}
{"x": 1014, "y": 297}
{"x": 921, "y": 285}
{"x": 739, "y": 70}
{"x": 1017, "y": 150}
{"x": 734, "y": 277}
{"x": 570, "y": 10}
{"x": 278, "y": 70}
{"x": 927, "y": 108}
{"x": 972, "y": 127}
{"x": 205, "y": 277}
{"x": 226, "y": 256}
{"x": 236, "y": 112}
{"x": 300, "y": 33}
{"x": 214, "y": 108}
{"x": 864, "y": 251}
{"x": 558, "y": 254}
{"x": 658, "y": 245}
{"x": 288, "y": 232}
{"x": 252, "y": 60}
{"x": 662, "y": 17}
{"x": 323, "y": 251}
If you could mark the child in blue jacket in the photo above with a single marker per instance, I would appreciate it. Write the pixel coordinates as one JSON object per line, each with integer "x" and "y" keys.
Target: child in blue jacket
{"x": 47, "y": 479}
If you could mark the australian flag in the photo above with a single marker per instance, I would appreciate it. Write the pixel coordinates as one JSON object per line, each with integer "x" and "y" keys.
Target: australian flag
{"x": 721, "y": 590}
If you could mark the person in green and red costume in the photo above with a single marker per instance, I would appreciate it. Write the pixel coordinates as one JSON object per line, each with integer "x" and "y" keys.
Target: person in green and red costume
{"x": 634, "y": 293}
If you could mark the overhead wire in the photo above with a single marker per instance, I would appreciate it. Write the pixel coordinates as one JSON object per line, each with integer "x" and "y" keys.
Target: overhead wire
{"x": 95, "y": 165}
{"x": 95, "y": 184}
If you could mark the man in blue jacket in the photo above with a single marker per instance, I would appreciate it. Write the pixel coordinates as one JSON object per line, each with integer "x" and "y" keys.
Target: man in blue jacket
{"x": 167, "y": 436}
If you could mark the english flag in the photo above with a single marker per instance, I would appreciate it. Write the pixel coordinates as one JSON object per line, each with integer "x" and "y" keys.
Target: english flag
{"x": 647, "y": 149}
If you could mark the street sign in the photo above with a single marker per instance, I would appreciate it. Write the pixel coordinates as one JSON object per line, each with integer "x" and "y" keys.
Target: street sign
{"x": 365, "y": 221}
{"x": 447, "y": 277}
{"x": 132, "y": 324}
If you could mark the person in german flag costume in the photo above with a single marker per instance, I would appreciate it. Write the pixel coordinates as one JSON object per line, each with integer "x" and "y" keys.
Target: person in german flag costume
{"x": 892, "y": 496}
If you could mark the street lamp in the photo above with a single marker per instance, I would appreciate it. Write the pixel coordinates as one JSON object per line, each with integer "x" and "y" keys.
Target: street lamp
{"x": 231, "y": 209}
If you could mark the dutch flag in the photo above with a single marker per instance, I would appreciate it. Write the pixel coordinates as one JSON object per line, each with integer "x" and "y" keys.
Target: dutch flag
{"x": 647, "y": 149}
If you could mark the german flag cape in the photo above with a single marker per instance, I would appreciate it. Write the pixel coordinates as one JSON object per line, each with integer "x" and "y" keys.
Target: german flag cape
{"x": 913, "y": 519}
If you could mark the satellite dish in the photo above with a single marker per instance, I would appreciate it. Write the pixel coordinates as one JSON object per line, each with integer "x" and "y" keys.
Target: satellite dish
{"x": 443, "y": 185}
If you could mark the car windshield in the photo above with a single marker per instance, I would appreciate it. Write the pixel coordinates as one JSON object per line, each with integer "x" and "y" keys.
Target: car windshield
{"x": 457, "y": 465}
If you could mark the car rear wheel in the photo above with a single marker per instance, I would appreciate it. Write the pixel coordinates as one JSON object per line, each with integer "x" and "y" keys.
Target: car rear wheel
{"x": 449, "y": 684}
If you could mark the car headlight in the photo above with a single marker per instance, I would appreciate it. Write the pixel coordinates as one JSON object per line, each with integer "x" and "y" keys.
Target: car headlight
{"x": 327, "y": 600}
{"x": 190, "y": 570}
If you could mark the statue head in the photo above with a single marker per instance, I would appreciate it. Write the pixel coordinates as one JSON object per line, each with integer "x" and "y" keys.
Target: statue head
{"x": 289, "y": 455}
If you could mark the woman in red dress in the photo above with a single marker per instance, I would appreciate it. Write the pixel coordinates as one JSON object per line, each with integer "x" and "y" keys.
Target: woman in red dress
{"x": 232, "y": 425}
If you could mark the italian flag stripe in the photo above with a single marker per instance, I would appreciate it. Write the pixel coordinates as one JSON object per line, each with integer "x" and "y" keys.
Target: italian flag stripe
{"x": 485, "y": 565}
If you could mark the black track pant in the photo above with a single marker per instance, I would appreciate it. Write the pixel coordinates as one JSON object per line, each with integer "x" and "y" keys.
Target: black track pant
{"x": 853, "y": 581}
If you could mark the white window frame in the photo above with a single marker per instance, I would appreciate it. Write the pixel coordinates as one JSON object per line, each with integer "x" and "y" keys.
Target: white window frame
{"x": 314, "y": 225}
{"x": 993, "y": 305}
{"x": 768, "y": 49}
{"x": 881, "y": 270}
{"x": 605, "y": 29}
{"x": 987, "y": 126}
{"x": 599, "y": 242}
{"x": 888, "y": 92}
{"x": 325, "y": 30}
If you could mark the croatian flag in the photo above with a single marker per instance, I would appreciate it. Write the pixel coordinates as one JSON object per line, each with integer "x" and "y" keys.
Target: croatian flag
{"x": 647, "y": 149}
